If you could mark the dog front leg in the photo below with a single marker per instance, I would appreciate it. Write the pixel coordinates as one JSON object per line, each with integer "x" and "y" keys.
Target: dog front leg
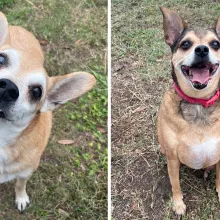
{"x": 218, "y": 179}
{"x": 21, "y": 197}
{"x": 173, "y": 169}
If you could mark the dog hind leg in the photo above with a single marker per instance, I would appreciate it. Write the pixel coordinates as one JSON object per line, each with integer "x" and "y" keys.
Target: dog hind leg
{"x": 218, "y": 179}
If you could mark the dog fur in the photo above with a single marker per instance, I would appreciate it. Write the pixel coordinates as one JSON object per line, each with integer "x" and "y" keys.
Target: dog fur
{"x": 189, "y": 133}
{"x": 26, "y": 125}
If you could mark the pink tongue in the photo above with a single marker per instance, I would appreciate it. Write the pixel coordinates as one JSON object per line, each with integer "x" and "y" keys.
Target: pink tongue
{"x": 200, "y": 75}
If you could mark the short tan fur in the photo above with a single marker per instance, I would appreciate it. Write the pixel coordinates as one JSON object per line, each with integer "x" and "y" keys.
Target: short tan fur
{"x": 25, "y": 130}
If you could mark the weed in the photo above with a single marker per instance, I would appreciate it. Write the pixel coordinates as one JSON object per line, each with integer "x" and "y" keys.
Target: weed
{"x": 6, "y": 3}
{"x": 90, "y": 115}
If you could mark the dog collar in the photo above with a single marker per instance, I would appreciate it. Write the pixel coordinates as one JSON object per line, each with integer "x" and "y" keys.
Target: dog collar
{"x": 204, "y": 102}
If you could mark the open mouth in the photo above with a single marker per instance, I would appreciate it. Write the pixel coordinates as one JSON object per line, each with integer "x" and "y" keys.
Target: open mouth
{"x": 199, "y": 74}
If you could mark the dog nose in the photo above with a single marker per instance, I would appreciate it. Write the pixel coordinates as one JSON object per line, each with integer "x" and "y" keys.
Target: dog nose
{"x": 201, "y": 51}
{"x": 8, "y": 90}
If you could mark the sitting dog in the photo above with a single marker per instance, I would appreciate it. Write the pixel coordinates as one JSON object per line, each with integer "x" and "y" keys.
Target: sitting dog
{"x": 189, "y": 116}
{"x": 27, "y": 97}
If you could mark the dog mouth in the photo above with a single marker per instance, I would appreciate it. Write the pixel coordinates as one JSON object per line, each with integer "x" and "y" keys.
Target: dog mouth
{"x": 199, "y": 74}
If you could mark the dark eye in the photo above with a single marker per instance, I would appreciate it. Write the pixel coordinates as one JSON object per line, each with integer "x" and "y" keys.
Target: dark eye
{"x": 214, "y": 44}
{"x": 36, "y": 93}
{"x": 186, "y": 45}
{"x": 3, "y": 59}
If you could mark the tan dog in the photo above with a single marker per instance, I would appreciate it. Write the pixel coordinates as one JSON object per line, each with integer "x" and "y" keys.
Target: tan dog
{"x": 189, "y": 116}
{"x": 27, "y": 97}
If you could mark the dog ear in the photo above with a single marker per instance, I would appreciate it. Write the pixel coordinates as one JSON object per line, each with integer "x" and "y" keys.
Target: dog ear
{"x": 173, "y": 25}
{"x": 3, "y": 28}
{"x": 217, "y": 26}
{"x": 65, "y": 88}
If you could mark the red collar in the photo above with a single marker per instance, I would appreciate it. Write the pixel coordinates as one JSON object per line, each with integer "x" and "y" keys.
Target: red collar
{"x": 205, "y": 102}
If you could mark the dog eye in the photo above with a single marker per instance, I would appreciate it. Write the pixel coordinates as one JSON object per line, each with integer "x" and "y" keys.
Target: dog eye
{"x": 214, "y": 44}
{"x": 186, "y": 44}
{"x": 3, "y": 59}
{"x": 36, "y": 93}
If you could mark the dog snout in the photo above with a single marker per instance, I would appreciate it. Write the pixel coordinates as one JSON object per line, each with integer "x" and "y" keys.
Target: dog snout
{"x": 201, "y": 51}
{"x": 8, "y": 90}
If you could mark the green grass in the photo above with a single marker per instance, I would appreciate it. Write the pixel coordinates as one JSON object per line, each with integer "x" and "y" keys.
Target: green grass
{"x": 90, "y": 116}
{"x": 71, "y": 181}
{"x": 138, "y": 32}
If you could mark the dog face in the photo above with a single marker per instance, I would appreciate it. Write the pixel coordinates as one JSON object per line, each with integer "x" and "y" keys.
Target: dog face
{"x": 21, "y": 90}
{"x": 195, "y": 55}
{"x": 25, "y": 88}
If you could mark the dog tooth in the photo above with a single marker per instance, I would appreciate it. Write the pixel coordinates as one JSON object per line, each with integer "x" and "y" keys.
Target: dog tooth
{"x": 190, "y": 73}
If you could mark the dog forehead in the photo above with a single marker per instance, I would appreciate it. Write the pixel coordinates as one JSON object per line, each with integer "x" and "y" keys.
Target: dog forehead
{"x": 35, "y": 78}
{"x": 200, "y": 35}
{"x": 26, "y": 49}
{"x": 29, "y": 65}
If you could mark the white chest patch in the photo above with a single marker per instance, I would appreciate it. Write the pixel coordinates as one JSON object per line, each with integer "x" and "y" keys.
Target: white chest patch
{"x": 204, "y": 153}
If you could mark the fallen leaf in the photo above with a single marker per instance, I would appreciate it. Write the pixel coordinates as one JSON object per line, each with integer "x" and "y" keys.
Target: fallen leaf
{"x": 60, "y": 178}
{"x": 133, "y": 206}
{"x": 139, "y": 109}
{"x": 43, "y": 42}
{"x": 66, "y": 47}
{"x": 78, "y": 41}
{"x": 64, "y": 213}
{"x": 74, "y": 101}
{"x": 66, "y": 142}
{"x": 102, "y": 130}
{"x": 135, "y": 64}
{"x": 83, "y": 167}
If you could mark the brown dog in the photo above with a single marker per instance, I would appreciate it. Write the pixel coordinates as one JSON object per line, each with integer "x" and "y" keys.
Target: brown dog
{"x": 27, "y": 97}
{"x": 189, "y": 116}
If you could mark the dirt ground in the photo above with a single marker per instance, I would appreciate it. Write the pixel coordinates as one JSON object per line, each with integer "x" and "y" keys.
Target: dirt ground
{"x": 140, "y": 74}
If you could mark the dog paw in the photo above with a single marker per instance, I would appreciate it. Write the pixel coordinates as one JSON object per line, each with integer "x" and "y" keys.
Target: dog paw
{"x": 218, "y": 195}
{"x": 22, "y": 202}
{"x": 179, "y": 207}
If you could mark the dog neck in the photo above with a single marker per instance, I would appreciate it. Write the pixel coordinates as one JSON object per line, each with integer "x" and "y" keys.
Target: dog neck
{"x": 204, "y": 102}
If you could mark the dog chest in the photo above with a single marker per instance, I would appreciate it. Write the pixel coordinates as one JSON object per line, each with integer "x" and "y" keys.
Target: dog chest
{"x": 202, "y": 154}
{"x": 11, "y": 169}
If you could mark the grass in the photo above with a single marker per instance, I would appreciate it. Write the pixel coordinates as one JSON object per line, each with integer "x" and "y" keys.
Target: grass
{"x": 140, "y": 74}
{"x": 71, "y": 181}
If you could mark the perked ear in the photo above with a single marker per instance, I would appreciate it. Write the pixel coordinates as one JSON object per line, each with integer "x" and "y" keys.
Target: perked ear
{"x": 173, "y": 25}
{"x": 67, "y": 87}
{"x": 3, "y": 28}
{"x": 217, "y": 26}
